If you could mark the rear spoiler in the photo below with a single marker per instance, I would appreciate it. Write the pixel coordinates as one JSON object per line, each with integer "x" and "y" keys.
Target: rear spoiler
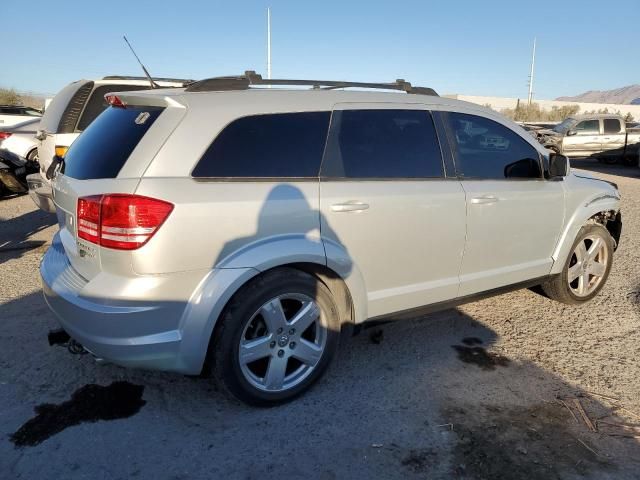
{"x": 137, "y": 98}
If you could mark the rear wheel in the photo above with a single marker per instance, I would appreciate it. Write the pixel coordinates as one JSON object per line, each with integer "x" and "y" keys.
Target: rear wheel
{"x": 586, "y": 269}
{"x": 277, "y": 337}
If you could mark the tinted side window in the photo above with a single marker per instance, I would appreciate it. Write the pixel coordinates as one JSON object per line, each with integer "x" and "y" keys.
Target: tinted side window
{"x": 103, "y": 148}
{"x": 383, "y": 144}
{"x": 612, "y": 125}
{"x": 97, "y": 104}
{"x": 265, "y": 146}
{"x": 588, "y": 127}
{"x": 487, "y": 149}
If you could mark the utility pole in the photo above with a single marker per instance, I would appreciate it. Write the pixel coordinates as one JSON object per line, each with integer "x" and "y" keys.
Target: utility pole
{"x": 269, "y": 43}
{"x": 533, "y": 62}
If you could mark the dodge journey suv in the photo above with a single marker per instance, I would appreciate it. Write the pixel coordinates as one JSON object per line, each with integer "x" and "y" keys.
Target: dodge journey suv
{"x": 238, "y": 228}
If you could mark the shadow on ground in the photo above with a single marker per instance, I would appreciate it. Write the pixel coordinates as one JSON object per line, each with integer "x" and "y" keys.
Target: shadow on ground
{"x": 433, "y": 398}
{"x": 16, "y": 234}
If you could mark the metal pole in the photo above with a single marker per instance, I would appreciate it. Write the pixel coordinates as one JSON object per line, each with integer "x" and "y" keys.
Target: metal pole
{"x": 533, "y": 62}
{"x": 269, "y": 43}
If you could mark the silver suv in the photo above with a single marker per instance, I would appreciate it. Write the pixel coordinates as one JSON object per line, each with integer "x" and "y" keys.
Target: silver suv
{"x": 238, "y": 227}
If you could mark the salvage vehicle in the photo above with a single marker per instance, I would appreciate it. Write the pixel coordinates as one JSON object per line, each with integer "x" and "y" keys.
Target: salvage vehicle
{"x": 603, "y": 136}
{"x": 238, "y": 228}
{"x": 13, "y": 172}
{"x": 71, "y": 111}
{"x": 11, "y": 115}
{"x": 21, "y": 138}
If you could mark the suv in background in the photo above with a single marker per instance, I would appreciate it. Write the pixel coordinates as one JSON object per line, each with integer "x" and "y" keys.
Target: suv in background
{"x": 69, "y": 113}
{"x": 11, "y": 115}
{"x": 241, "y": 228}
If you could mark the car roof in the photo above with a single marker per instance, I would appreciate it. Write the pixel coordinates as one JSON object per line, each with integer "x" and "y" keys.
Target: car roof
{"x": 596, "y": 116}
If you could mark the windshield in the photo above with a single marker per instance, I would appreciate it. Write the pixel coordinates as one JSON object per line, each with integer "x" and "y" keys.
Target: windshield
{"x": 565, "y": 125}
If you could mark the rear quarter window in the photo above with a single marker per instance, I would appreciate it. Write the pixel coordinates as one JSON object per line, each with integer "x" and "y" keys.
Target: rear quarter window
{"x": 104, "y": 147}
{"x": 281, "y": 145}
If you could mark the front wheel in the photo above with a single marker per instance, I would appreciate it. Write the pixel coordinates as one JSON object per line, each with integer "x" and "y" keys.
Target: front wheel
{"x": 586, "y": 269}
{"x": 277, "y": 337}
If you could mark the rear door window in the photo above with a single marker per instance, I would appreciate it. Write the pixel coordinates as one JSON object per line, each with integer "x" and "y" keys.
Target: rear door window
{"x": 281, "y": 145}
{"x": 97, "y": 104}
{"x": 384, "y": 143}
{"x": 104, "y": 147}
{"x": 612, "y": 125}
{"x": 487, "y": 149}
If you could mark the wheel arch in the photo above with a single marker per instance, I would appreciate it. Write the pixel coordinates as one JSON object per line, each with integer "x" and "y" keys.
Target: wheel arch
{"x": 600, "y": 210}
{"x": 348, "y": 311}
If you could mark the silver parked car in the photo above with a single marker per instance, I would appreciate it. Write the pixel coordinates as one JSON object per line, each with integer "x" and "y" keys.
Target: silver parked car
{"x": 238, "y": 227}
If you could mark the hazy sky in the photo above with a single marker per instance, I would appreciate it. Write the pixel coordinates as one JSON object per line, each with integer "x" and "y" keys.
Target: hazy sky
{"x": 472, "y": 47}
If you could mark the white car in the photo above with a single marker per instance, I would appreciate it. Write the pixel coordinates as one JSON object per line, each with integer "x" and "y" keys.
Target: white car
{"x": 21, "y": 139}
{"x": 11, "y": 115}
{"x": 70, "y": 112}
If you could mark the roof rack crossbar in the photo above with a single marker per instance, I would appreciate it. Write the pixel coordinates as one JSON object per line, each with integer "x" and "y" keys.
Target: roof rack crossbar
{"x": 251, "y": 78}
{"x": 159, "y": 79}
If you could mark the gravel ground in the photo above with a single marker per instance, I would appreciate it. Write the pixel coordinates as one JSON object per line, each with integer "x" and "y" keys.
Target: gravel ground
{"x": 467, "y": 393}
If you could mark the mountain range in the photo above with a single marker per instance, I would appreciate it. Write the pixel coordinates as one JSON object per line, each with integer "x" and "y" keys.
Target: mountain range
{"x": 624, "y": 95}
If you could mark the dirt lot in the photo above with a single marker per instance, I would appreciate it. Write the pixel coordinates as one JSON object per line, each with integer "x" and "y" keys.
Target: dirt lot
{"x": 467, "y": 393}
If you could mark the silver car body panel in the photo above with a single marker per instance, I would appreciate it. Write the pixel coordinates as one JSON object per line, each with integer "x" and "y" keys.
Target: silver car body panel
{"x": 397, "y": 244}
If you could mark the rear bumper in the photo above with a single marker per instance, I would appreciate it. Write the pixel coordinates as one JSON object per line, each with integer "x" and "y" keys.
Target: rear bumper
{"x": 41, "y": 193}
{"x": 145, "y": 333}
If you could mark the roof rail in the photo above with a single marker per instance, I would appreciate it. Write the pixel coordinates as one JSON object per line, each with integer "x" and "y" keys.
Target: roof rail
{"x": 159, "y": 79}
{"x": 251, "y": 78}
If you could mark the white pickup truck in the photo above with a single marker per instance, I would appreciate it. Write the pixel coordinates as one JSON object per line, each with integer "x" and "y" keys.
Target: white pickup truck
{"x": 603, "y": 136}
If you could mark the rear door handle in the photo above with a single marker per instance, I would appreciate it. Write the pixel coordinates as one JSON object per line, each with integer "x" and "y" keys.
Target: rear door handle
{"x": 485, "y": 200}
{"x": 350, "y": 206}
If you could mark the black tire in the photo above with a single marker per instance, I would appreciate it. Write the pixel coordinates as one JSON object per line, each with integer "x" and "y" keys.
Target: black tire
{"x": 558, "y": 287}
{"x": 226, "y": 344}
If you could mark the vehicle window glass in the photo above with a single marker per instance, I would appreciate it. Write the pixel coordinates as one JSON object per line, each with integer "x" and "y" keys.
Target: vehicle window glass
{"x": 266, "y": 146}
{"x": 612, "y": 125}
{"x": 383, "y": 144}
{"x": 104, "y": 147}
{"x": 588, "y": 127}
{"x": 97, "y": 104}
{"x": 487, "y": 149}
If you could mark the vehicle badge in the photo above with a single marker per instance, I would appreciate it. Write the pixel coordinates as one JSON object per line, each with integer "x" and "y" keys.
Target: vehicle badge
{"x": 142, "y": 117}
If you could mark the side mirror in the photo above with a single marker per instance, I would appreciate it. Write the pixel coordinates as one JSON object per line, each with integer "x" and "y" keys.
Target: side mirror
{"x": 571, "y": 133}
{"x": 558, "y": 166}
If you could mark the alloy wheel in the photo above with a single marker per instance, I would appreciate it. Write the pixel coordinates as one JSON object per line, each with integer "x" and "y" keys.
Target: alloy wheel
{"x": 588, "y": 265}
{"x": 282, "y": 343}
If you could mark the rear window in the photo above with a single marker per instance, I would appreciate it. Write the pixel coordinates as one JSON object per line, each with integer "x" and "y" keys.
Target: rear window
{"x": 97, "y": 104}
{"x": 288, "y": 145}
{"x": 612, "y": 125}
{"x": 103, "y": 148}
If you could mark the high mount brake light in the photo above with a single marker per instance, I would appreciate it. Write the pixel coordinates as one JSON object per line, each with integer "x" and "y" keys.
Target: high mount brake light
{"x": 120, "y": 221}
{"x": 115, "y": 101}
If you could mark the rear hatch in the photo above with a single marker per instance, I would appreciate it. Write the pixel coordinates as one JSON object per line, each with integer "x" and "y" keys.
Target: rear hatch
{"x": 108, "y": 158}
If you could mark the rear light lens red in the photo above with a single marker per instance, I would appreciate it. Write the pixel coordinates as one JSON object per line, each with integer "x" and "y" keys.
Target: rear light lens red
{"x": 115, "y": 101}
{"x": 5, "y": 135}
{"x": 120, "y": 221}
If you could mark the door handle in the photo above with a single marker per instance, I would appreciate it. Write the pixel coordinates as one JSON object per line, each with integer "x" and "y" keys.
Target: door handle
{"x": 485, "y": 200}
{"x": 351, "y": 206}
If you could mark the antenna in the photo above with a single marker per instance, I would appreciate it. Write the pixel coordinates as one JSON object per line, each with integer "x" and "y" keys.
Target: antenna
{"x": 269, "y": 43}
{"x": 533, "y": 62}
{"x": 153, "y": 84}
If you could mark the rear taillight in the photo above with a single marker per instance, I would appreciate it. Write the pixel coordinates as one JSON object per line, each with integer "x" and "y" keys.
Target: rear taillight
{"x": 5, "y": 135}
{"x": 120, "y": 221}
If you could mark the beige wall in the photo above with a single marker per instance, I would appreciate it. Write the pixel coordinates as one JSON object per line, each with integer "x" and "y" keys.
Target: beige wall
{"x": 499, "y": 103}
